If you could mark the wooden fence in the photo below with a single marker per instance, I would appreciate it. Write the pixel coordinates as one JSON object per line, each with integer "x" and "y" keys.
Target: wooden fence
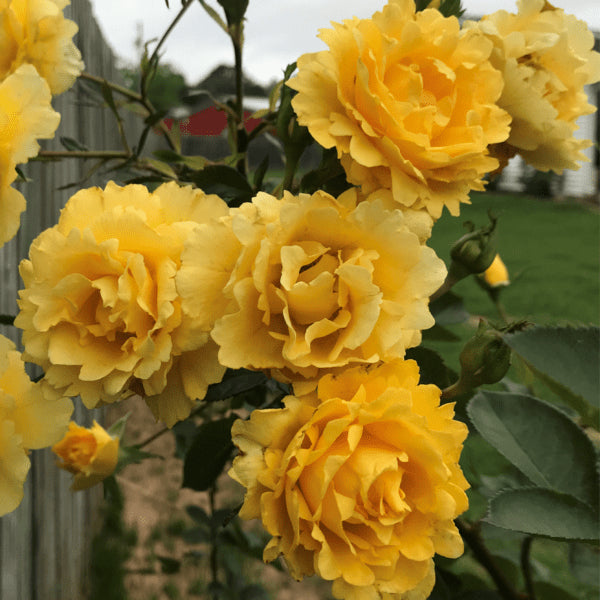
{"x": 45, "y": 543}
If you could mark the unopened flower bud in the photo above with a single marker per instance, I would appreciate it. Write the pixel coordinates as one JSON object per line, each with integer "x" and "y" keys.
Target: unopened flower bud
{"x": 485, "y": 357}
{"x": 91, "y": 455}
{"x": 496, "y": 275}
{"x": 474, "y": 252}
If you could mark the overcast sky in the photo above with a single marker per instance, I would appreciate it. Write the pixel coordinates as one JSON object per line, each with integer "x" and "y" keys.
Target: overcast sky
{"x": 277, "y": 31}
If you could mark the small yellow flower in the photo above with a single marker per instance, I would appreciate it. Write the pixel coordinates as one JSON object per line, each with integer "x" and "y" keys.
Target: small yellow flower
{"x": 546, "y": 58}
{"x": 100, "y": 311}
{"x": 310, "y": 283}
{"x": 358, "y": 482}
{"x": 36, "y": 32}
{"x": 28, "y": 420}
{"x": 408, "y": 101}
{"x": 496, "y": 275}
{"x": 91, "y": 455}
{"x": 26, "y": 115}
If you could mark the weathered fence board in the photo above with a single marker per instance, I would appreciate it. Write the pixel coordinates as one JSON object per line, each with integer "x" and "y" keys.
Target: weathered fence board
{"x": 45, "y": 543}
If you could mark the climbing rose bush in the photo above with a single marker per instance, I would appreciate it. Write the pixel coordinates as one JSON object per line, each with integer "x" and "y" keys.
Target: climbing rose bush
{"x": 408, "y": 101}
{"x": 36, "y": 32}
{"x": 100, "y": 311}
{"x": 310, "y": 283}
{"x": 358, "y": 481}
{"x": 28, "y": 420}
{"x": 546, "y": 58}
{"x": 25, "y": 116}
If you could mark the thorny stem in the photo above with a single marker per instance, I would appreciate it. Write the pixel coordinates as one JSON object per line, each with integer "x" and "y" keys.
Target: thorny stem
{"x": 449, "y": 282}
{"x": 152, "y": 437}
{"x": 458, "y": 388}
{"x": 236, "y": 34}
{"x": 113, "y": 86}
{"x": 103, "y": 154}
{"x": 526, "y": 566}
{"x": 470, "y": 534}
{"x": 166, "y": 34}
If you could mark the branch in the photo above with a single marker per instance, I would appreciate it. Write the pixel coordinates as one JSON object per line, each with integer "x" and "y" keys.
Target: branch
{"x": 471, "y": 535}
{"x": 113, "y": 86}
{"x": 526, "y": 566}
{"x": 103, "y": 154}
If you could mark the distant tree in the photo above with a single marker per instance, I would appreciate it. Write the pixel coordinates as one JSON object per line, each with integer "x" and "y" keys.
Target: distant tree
{"x": 167, "y": 88}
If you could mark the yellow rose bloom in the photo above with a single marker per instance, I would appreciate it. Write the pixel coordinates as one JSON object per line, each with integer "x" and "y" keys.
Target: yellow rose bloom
{"x": 496, "y": 275}
{"x": 100, "y": 311}
{"x": 358, "y": 482}
{"x": 546, "y": 57}
{"x": 28, "y": 420}
{"x": 91, "y": 455}
{"x": 25, "y": 116}
{"x": 408, "y": 101}
{"x": 310, "y": 283}
{"x": 36, "y": 32}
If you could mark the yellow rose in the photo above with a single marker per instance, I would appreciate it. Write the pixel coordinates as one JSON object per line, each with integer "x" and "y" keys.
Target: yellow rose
{"x": 28, "y": 420}
{"x": 408, "y": 101}
{"x": 358, "y": 482}
{"x": 546, "y": 58}
{"x": 25, "y": 116}
{"x": 36, "y": 32}
{"x": 310, "y": 283}
{"x": 100, "y": 311}
{"x": 496, "y": 275}
{"x": 91, "y": 455}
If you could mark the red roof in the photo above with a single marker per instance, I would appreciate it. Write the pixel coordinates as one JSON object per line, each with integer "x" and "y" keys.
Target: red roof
{"x": 210, "y": 121}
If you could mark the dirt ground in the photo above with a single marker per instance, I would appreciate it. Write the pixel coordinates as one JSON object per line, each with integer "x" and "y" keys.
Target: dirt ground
{"x": 155, "y": 506}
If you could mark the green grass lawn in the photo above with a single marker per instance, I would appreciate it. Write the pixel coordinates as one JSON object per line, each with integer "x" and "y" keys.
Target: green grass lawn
{"x": 552, "y": 251}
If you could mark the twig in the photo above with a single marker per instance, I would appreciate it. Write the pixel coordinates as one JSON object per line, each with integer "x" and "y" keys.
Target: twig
{"x": 104, "y": 154}
{"x": 113, "y": 86}
{"x": 472, "y": 537}
{"x": 526, "y": 566}
{"x": 152, "y": 437}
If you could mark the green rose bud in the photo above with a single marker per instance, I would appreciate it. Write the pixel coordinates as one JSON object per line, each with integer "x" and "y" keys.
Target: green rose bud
{"x": 485, "y": 357}
{"x": 474, "y": 252}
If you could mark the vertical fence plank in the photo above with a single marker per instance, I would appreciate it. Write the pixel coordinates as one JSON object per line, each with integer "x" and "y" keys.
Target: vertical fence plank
{"x": 45, "y": 543}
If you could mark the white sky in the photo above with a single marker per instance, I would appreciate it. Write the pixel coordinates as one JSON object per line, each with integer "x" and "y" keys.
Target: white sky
{"x": 277, "y": 31}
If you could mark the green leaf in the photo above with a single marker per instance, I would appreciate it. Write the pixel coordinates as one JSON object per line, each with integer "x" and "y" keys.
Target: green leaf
{"x": 235, "y": 381}
{"x": 544, "y": 512}
{"x": 108, "y": 98}
{"x": 226, "y": 182}
{"x": 584, "y": 561}
{"x": 117, "y": 429}
{"x": 540, "y": 440}
{"x": 432, "y": 367}
{"x": 234, "y": 10}
{"x": 208, "y": 454}
{"x": 260, "y": 173}
{"x": 451, "y": 8}
{"x": 438, "y": 333}
{"x": 448, "y": 309}
{"x": 129, "y": 455}
{"x": 566, "y": 360}
{"x": 547, "y": 591}
{"x": 198, "y": 514}
{"x": 214, "y": 15}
